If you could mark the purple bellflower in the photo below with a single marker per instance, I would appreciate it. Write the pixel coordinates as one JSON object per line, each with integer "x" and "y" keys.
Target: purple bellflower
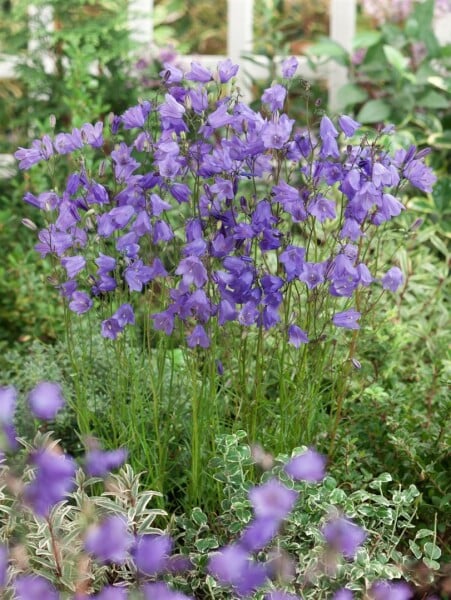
{"x": 344, "y": 536}
{"x": 389, "y": 590}
{"x": 347, "y": 319}
{"x": 343, "y": 594}
{"x": 151, "y": 553}
{"x": 54, "y": 480}
{"x": 109, "y": 541}
{"x": 111, "y": 592}
{"x": 46, "y": 400}
{"x": 33, "y": 587}
{"x": 99, "y": 463}
{"x": 393, "y": 279}
{"x": 309, "y": 466}
{"x": 161, "y": 591}
{"x": 272, "y": 500}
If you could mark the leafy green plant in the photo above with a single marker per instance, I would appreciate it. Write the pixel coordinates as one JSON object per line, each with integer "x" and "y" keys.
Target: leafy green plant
{"x": 399, "y": 73}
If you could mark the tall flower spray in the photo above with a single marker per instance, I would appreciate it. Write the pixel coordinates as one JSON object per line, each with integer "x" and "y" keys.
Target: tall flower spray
{"x": 197, "y": 216}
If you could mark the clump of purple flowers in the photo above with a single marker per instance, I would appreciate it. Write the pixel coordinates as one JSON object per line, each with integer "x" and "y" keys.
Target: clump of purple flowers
{"x": 228, "y": 212}
{"x": 112, "y": 540}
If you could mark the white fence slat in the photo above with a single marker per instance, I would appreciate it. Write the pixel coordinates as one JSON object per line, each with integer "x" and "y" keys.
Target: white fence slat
{"x": 342, "y": 30}
{"x": 141, "y": 23}
{"x": 41, "y": 17}
{"x": 240, "y": 34}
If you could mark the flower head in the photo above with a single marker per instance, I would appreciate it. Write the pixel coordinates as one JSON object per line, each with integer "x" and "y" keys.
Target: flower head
{"x": 392, "y": 279}
{"x": 54, "y": 480}
{"x": 272, "y": 500}
{"x": 309, "y": 466}
{"x": 347, "y": 319}
{"x": 389, "y": 590}
{"x": 109, "y": 541}
{"x": 344, "y": 536}
{"x": 33, "y": 587}
{"x": 99, "y": 463}
{"x": 151, "y": 553}
{"x": 46, "y": 399}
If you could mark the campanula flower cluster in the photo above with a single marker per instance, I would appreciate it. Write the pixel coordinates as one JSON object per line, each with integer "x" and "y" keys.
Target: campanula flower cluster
{"x": 110, "y": 541}
{"x": 231, "y": 212}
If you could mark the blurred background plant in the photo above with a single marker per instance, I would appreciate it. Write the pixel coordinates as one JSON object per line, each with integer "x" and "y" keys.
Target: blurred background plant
{"x": 400, "y": 73}
{"x": 72, "y": 62}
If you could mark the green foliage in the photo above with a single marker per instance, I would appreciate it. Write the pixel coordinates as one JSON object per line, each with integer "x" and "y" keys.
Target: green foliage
{"x": 403, "y": 386}
{"x": 385, "y": 510}
{"x": 399, "y": 74}
{"x": 78, "y": 70}
{"x": 54, "y": 546}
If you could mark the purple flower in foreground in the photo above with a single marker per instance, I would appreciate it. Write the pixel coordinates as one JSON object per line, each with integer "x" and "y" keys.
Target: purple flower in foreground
{"x": 80, "y": 303}
{"x": 296, "y": 336}
{"x": 343, "y": 594}
{"x": 192, "y": 271}
{"x": 348, "y": 125}
{"x": 73, "y": 265}
{"x": 227, "y": 70}
{"x": 289, "y": 67}
{"x": 40, "y": 150}
{"x": 3, "y": 564}
{"x": 344, "y": 536}
{"x": 259, "y": 533}
{"x": 232, "y": 566}
{"x": 125, "y": 315}
{"x": 99, "y": 462}
{"x": 161, "y": 591}
{"x": 198, "y": 337}
{"x": 198, "y": 73}
{"x": 46, "y": 399}
{"x": 392, "y": 279}
{"x": 278, "y": 595}
{"x": 308, "y": 466}
{"x": 111, "y": 592}
{"x": 347, "y": 319}
{"x": 110, "y": 541}
{"x": 420, "y": 175}
{"x": 92, "y": 134}
{"x": 110, "y": 328}
{"x": 275, "y": 97}
{"x": 31, "y": 587}
{"x": 54, "y": 480}
{"x": 272, "y": 500}
{"x": 387, "y": 590}
{"x": 276, "y": 134}
{"x": 8, "y": 400}
{"x": 151, "y": 553}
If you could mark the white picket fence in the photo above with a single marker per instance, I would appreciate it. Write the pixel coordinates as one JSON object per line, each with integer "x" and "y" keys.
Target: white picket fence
{"x": 239, "y": 40}
{"x": 342, "y": 19}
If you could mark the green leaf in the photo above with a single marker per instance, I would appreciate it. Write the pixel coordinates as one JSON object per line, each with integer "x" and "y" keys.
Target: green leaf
{"x": 422, "y": 533}
{"x": 351, "y": 94}
{"x": 432, "y": 564}
{"x": 416, "y": 550}
{"x": 441, "y": 141}
{"x": 396, "y": 58}
{"x": 439, "y": 83}
{"x": 433, "y": 99}
{"x": 365, "y": 39}
{"x": 441, "y": 194}
{"x": 198, "y": 516}
{"x": 337, "y": 496}
{"x": 432, "y": 551}
{"x": 382, "y": 478}
{"x": 206, "y": 544}
{"x": 327, "y": 48}
{"x": 374, "y": 111}
{"x": 440, "y": 245}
